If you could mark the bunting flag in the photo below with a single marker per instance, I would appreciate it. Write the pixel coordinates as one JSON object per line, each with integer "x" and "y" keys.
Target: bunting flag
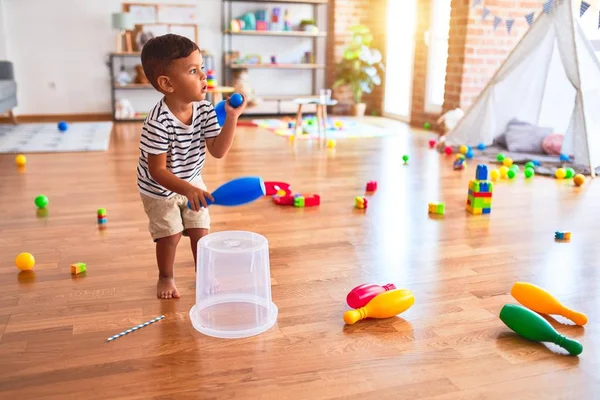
{"x": 484, "y": 13}
{"x": 475, "y": 3}
{"x": 548, "y": 6}
{"x": 583, "y": 8}
{"x": 529, "y": 18}
{"x": 497, "y": 21}
{"x": 509, "y": 24}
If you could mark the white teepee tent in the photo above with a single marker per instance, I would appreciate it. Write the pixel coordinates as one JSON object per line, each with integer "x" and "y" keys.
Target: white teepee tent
{"x": 551, "y": 79}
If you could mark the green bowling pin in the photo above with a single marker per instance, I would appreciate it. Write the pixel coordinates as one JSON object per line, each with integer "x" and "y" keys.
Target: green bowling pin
{"x": 533, "y": 327}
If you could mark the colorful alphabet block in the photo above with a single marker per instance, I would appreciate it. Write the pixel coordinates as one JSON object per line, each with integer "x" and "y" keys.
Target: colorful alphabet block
{"x": 371, "y": 186}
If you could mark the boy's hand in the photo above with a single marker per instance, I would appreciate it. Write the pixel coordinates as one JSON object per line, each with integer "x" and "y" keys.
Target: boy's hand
{"x": 235, "y": 112}
{"x": 197, "y": 198}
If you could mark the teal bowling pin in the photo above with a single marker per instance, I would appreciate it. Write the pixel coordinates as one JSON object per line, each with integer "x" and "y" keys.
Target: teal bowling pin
{"x": 533, "y": 327}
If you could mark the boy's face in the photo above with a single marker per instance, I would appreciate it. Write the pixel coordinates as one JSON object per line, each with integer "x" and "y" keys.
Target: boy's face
{"x": 186, "y": 79}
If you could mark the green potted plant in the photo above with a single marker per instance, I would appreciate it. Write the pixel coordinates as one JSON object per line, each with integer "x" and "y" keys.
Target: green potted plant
{"x": 360, "y": 67}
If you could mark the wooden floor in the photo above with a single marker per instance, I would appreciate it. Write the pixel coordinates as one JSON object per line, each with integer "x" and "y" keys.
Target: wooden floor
{"x": 450, "y": 344}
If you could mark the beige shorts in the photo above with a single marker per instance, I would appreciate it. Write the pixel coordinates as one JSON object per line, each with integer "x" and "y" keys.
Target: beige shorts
{"x": 168, "y": 217}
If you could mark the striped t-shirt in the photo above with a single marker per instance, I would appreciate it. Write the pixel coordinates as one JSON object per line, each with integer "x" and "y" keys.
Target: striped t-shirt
{"x": 185, "y": 145}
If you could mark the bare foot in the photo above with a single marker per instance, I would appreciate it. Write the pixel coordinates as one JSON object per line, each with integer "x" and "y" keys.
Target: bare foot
{"x": 166, "y": 289}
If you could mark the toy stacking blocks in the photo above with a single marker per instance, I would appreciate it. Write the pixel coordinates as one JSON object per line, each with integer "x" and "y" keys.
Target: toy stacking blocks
{"x": 210, "y": 79}
{"x": 297, "y": 200}
{"x": 78, "y": 268}
{"x": 102, "y": 216}
{"x": 360, "y": 202}
{"x": 371, "y": 186}
{"x": 562, "y": 235}
{"x": 437, "y": 208}
{"x": 479, "y": 200}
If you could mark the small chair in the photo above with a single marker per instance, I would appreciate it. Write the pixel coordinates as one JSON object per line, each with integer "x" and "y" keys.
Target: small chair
{"x": 8, "y": 90}
{"x": 321, "y": 112}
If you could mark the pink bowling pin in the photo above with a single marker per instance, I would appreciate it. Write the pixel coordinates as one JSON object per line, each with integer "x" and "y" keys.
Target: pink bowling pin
{"x": 362, "y": 294}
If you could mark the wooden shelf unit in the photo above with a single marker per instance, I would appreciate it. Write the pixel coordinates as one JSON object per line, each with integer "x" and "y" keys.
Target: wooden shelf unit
{"x": 277, "y": 66}
{"x": 277, "y": 33}
{"x": 315, "y": 68}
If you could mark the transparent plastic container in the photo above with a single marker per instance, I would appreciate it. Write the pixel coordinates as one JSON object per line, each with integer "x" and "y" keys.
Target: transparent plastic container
{"x": 233, "y": 286}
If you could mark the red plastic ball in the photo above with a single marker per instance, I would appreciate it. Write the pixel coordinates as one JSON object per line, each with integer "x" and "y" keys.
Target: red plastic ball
{"x": 448, "y": 150}
{"x": 431, "y": 144}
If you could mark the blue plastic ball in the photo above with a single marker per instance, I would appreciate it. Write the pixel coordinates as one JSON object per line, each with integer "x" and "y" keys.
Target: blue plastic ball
{"x": 536, "y": 163}
{"x": 236, "y": 100}
{"x": 564, "y": 157}
{"x": 481, "y": 146}
{"x": 469, "y": 154}
{"x": 62, "y": 126}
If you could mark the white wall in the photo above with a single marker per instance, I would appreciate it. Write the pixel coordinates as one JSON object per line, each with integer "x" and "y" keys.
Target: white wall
{"x": 60, "y": 49}
{"x": 3, "y": 39}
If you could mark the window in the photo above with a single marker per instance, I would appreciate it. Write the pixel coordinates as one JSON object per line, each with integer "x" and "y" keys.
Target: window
{"x": 589, "y": 23}
{"x": 438, "y": 55}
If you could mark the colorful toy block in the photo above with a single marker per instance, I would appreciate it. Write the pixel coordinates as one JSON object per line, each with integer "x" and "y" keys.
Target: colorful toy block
{"x": 102, "y": 215}
{"x": 437, "y": 208}
{"x": 312, "y": 201}
{"x": 78, "y": 268}
{"x": 298, "y": 201}
{"x": 562, "y": 235}
{"x": 479, "y": 198}
{"x": 371, "y": 186}
{"x": 360, "y": 202}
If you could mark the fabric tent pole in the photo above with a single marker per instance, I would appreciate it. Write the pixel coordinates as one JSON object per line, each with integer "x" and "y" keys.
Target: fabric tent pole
{"x": 580, "y": 91}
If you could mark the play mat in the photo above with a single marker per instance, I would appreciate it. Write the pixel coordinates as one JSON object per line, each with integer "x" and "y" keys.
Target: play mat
{"x": 337, "y": 127}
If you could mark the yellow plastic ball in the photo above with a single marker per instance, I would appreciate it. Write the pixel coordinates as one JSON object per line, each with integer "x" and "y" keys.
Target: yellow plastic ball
{"x": 25, "y": 261}
{"x": 560, "y": 173}
{"x": 579, "y": 180}
{"x": 508, "y": 162}
{"x": 331, "y": 143}
{"x": 463, "y": 149}
{"x": 495, "y": 174}
{"x": 503, "y": 171}
{"x": 20, "y": 160}
{"x": 459, "y": 156}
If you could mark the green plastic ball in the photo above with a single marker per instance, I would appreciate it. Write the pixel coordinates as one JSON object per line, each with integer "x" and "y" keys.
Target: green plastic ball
{"x": 427, "y": 126}
{"x": 500, "y": 157}
{"x": 405, "y": 158}
{"x": 515, "y": 168}
{"x": 511, "y": 174}
{"x": 41, "y": 201}
{"x": 570, "y": 173}
{"x": 529, "y": 164}
{"x": 529, "y": 172}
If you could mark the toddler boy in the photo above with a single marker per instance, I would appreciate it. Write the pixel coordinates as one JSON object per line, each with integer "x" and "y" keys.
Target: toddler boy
{"x": 176, "y": 135}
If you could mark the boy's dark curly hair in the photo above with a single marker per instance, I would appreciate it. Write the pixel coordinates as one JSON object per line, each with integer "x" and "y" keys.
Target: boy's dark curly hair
{"x": 159, "y": 52}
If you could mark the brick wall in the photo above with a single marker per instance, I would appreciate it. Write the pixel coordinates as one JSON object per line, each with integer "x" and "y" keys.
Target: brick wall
{"x": 345, "y": 14}
{"x": 475, "y": 51}
{"x": 485, "y": 49}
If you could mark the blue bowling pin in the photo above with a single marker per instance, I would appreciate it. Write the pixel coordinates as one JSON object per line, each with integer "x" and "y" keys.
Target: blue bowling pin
{"x": 235, "y": 100}
{"x": 238, "y": 191}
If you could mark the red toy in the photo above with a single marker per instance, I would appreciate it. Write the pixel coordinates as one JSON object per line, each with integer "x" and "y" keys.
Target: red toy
{"x": 362, "y": 294}
{"x": 306, "y": 201}
{"x": 432, "y": 144}
{"x": 371, "y": 186}
{"x": 271, "y": 188}
{"x": 448, "y": 150}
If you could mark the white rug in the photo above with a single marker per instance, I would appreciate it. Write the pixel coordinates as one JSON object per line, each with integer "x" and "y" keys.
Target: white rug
{"x": 46, "y": 138}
